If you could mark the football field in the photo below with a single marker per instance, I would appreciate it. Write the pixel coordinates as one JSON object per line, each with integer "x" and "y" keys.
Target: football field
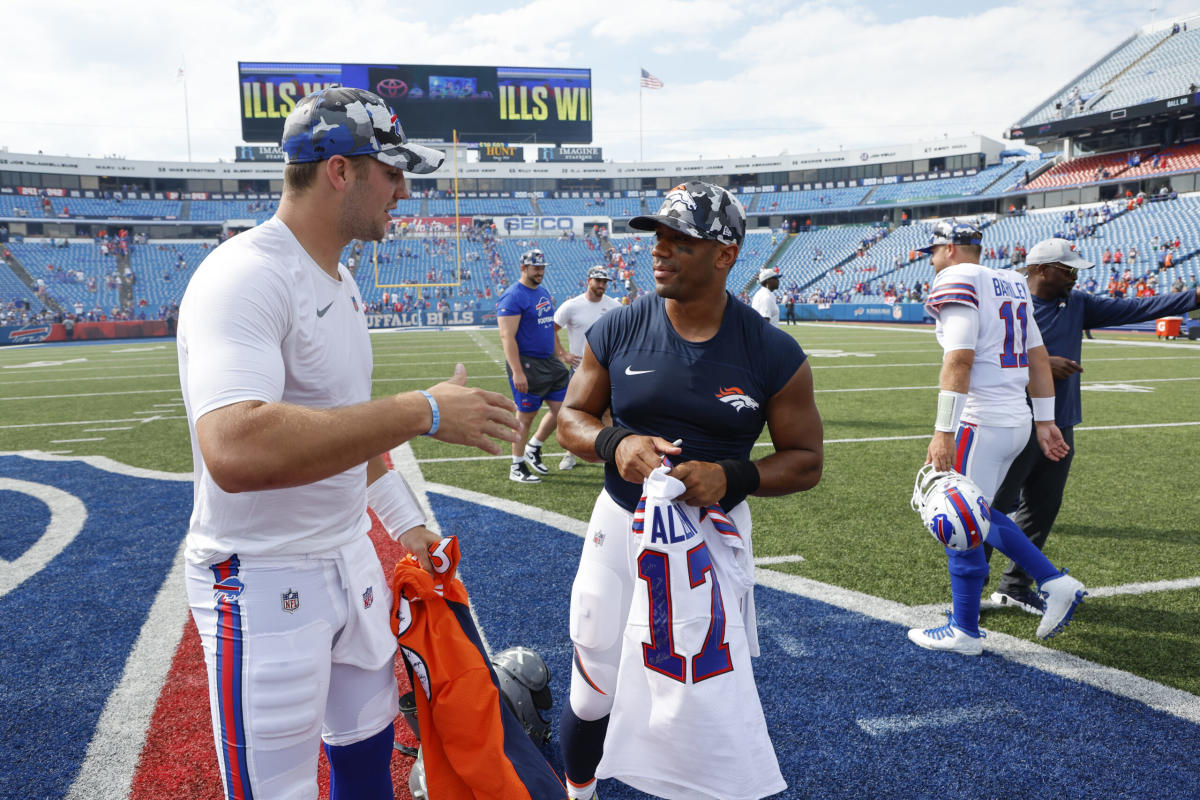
{"x": 853, "y": 707}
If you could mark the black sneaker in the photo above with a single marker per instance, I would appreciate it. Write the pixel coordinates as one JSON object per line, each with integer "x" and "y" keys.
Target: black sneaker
{"x": 1025, "y": 599}
{"x": 521, "y": 474}
{"x": 533, "y": 455}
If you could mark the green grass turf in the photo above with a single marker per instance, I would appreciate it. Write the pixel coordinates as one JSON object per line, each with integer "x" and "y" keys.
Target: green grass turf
{"x": 1130, "y": 512}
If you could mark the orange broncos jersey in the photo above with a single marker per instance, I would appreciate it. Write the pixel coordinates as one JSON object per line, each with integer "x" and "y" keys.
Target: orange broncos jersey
{"x": 473, "y": 745}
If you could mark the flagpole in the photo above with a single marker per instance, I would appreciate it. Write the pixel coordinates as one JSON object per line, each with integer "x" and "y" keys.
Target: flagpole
{"x": 187, "y": 120}
{"x": 641, "y": 142}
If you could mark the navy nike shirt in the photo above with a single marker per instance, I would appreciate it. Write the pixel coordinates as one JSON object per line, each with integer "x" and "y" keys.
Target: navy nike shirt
{"x": 711, "y": 394}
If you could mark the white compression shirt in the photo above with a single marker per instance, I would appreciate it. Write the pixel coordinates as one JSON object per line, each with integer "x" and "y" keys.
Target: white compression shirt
{"x": 261, "y": 321}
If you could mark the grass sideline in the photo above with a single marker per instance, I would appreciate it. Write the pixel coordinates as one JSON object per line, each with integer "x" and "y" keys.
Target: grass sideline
{"x": 1130, "y": 515}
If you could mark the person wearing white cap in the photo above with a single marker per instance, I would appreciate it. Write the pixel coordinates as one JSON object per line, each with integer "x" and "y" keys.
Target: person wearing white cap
{"x": 287, "y": 592}
{"x": 577, "y": 315}
{"x": 764, "y": 300}
{"x": 1034, "y": 485}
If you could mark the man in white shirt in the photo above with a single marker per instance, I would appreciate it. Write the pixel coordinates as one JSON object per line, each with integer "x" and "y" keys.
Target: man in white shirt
{"x": 764, "y": 301}
{"x": 275, "y": 364}
{"x": 576, "y": 316}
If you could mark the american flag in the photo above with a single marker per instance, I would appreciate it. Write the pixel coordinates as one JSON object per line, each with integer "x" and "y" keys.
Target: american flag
{"x": 650, "y": 82}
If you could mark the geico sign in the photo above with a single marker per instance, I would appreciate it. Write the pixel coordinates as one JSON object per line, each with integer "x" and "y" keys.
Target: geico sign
{"x": 539, "y": 223}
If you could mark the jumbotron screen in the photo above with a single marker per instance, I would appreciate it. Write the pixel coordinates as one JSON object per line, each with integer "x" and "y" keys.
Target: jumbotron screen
{"x": 484, "y": 104}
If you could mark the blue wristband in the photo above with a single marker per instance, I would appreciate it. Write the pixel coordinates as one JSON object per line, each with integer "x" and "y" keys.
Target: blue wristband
{"x": 437, "y": 415}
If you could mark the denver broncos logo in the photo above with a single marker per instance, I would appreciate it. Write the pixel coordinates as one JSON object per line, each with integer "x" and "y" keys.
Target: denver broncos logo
{"x": 737, "y": 398}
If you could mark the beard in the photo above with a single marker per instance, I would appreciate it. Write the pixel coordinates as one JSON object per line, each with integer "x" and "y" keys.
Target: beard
{"x": 357, "y": 221}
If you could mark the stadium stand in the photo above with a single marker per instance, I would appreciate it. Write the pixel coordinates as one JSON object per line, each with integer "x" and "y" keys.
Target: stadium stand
{"x": 1087, "y": 92}
{"x": 500, "y": 206}
{"x": 940, "y": 188}
{"x": 807, "y": 200}
{"x": 74, "y": 274}
{"x": 1090, "y": 169}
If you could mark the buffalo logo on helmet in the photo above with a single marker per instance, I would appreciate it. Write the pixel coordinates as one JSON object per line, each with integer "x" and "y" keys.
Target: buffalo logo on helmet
{"x": 952, "y": 508}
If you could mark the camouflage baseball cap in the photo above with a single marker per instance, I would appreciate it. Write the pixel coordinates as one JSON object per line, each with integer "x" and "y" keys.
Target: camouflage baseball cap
{"x": 534, "y": 258}
{"x": 702, "y": 210}
{"x": 951, "y": 231}
{"x": 352, "y": 122}
{"x": 598, "y": 273}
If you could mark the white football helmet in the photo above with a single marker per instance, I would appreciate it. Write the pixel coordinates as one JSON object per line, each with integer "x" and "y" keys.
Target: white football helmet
{"x": 952, "y": 508}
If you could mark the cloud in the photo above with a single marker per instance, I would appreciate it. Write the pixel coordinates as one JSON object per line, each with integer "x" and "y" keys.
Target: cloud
{"x": 741, "y": 78}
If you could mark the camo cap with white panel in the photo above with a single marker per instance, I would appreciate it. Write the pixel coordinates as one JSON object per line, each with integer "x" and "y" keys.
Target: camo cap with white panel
{"x": 702, "y": 210}
{"x": 952, "y": 231}
{"x": 342, "y": 121}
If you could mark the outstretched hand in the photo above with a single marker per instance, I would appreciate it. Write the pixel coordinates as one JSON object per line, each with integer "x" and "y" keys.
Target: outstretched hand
{"x": 473, "y": 417}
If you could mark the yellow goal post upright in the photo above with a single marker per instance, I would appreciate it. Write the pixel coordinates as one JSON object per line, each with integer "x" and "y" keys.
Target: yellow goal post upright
{"x": 419, "y": 285}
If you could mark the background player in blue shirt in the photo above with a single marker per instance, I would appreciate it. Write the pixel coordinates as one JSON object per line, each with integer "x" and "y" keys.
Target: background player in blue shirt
{"x": 688, "y": 362}
{"x": 533, "y": 360}
{"x": 1062, "y": 314}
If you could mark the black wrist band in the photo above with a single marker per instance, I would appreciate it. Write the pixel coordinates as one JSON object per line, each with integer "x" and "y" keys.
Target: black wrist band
{"x": 607, "y": 440}
{"x": 741, "y": 477}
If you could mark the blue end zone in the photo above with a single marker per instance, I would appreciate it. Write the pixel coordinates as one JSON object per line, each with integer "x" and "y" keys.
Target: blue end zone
{"x": 854, "y": 709}
{"x": 67, "y": 630}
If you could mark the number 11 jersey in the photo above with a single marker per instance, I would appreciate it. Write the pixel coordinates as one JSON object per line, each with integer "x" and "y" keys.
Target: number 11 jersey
{"x": 1007, "y": 330}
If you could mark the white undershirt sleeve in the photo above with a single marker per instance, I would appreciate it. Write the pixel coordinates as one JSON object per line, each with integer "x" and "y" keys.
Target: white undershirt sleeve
{"x": 960, "y": 327}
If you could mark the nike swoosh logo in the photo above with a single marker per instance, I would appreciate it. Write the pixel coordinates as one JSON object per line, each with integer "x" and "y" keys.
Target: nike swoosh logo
{"x": 321, "y": 311}
{"x": 631, "y": 371}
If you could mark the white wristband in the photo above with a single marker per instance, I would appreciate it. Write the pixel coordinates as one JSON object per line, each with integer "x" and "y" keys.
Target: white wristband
{"x": 392, "y": 501}
{"x": 949, "y": 410}
{"x": 1043, "y": 409}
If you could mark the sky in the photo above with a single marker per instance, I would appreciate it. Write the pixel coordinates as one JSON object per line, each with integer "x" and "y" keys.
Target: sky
{"x": 741, "y": 77}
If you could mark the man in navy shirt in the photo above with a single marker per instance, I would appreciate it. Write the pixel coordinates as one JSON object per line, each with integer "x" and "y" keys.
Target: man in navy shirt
{"x": 533, "y": 360}
{"x": 689, "y": 363}
{"x": 1062, "y": 315}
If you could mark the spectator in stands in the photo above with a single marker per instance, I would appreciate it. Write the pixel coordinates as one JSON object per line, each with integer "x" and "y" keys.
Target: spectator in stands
{"x": 1177, "y": 285}
{"x": 1034, "y": 485}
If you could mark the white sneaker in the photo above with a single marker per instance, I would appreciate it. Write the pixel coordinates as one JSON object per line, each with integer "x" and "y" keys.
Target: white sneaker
{"x": 533, "y": 457}
{"x": 568, "y": 461}
{"x": 520, "y": 473}
{"x": 1062, "y": 594}
{"x": 948, "y": 637}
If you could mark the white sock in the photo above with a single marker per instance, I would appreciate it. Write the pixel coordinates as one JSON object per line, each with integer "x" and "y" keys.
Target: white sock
{"x": 581, "y": 792}
{"x": 518, "y": 459}
{"x": 535, "y": 442}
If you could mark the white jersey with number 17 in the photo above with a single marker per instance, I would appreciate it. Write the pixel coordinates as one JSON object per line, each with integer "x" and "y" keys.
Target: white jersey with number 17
{"x": 1007, "y": 330}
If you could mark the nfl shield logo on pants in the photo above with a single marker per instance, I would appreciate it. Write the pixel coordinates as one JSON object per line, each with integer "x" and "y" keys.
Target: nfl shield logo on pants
{"x": 290, "y": 600}
{"x": 368, "y": 597}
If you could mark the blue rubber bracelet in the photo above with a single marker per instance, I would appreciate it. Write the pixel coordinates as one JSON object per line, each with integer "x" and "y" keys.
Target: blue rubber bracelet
{"x": 437, "y": 415}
